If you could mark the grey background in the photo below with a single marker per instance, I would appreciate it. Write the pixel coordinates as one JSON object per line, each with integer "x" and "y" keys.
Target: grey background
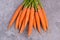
{"x": 7, "y": 8}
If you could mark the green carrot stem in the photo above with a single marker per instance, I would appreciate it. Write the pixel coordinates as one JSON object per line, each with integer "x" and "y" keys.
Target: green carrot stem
{"x": 24, "y": 2}
{"x": 35, "y": 4}
{"x": 28, "y": 3}
{"x": 39, "y": 1}
{"x": 32, "y": 4}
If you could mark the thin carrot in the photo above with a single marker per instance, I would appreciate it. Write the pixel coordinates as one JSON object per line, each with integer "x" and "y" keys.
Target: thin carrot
{"x": 26, "y": 20}
{"x": 42, "y": 18}
{"x": 46, "y": 21}
{"x": 22, "y": 16}
{"x": 31, "y": 21}
{"x": 37, "y": 21}
{"x": 17, "y": 21}
{"x": 34, "y": 23}
{"x": 22, "y": 26}
{"x": 15, "y": 16}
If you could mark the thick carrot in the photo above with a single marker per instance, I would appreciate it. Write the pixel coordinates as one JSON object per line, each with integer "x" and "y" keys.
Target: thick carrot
{"x": 44, "y": 13}
{"x": 31, "y": 21}
{"x": 34, "y": 22}
{"x": 42, "y": 18}
{"x": 15, "y": 16}
{"x": 26, "y": 20}
{"x": 37, "y": 21}
{"x": 22, "y": 16}
{"x": 17, "y": 21}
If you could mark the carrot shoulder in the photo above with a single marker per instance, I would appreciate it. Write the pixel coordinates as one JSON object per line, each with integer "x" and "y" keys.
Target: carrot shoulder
{"x": 37, "y": 21}
{"x": 42, "y": 18}
{"x": 15, "y": 16}
{"x": 31, "y": 21}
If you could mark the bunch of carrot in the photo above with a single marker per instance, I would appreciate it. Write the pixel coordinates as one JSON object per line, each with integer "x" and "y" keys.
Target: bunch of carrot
{"x": 30, "y": 13}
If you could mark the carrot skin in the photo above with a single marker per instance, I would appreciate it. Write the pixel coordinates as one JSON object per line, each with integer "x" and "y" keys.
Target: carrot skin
{"x": 22, "y": 16}
{"x": 22, "y": 27}
{"x": 31, "y": 21}
{"x": 46, "y": 20}
{"x": 34, "y": 23}
{"x": 17, "y": 21}
{"x": 37, "y": 21}
{"x": 27, "y": 16}
{"x": 42, "y": 18}
{"x": 26, "y": 20}
{"x": 15, "y": 16}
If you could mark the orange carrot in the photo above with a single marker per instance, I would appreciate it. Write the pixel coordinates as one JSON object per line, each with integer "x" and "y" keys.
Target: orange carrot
{"x": 22, "y": 16}
{"x": 34, "y": 23}
{"x": 15, "y": 16}
{"x": 31, "y": 21}
{"x": 26, "y": 20}
{"x": 46, "y": 21}
{"x": 17, "y": 21}
{"x": 22, "y": 27}
{"x": 42, "y": 18}
{"x": 37, "y": 21}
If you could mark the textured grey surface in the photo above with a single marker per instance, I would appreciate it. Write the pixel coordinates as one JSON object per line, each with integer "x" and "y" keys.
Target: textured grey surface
{"x": 7, "y": 8}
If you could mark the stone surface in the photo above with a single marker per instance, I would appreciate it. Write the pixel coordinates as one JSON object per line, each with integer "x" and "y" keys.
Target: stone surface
{"x": 7, "y": 8}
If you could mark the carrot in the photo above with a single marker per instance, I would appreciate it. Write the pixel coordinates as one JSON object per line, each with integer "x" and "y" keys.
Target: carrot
{"x": 22, "y": 16}
{"x": 17, "y": 21}
{"x": 46, "y": 21}
{"x": 15, "y": 16}
{"x": 22, "y": 27}
{"x": 34, "y": 23}
{"x": 42, "y": 18}
{"x": 26, "y": 20}
{"x": 31, "y": 21}
{"x": 37, "y": 21}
